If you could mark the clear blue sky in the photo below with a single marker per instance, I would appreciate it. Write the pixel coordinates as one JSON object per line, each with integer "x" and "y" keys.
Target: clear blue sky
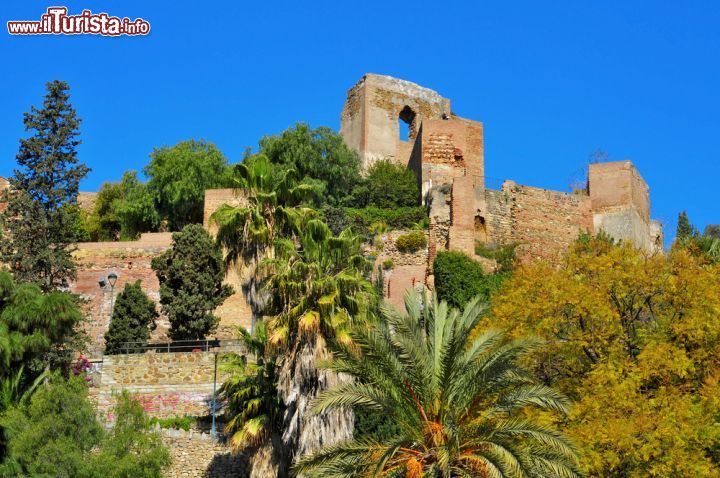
{"x": 552, "y": 81}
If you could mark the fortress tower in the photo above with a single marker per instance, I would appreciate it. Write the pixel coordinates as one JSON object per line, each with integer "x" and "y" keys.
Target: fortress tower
{"x": 447, "y": 155}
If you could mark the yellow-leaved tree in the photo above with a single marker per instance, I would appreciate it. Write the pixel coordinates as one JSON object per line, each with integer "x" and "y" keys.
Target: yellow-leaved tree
{"x": 635, "y": 340}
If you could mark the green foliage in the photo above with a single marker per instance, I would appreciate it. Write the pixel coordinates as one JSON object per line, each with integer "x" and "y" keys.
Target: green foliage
{"x": 57, "y": 434}
{"x": 178, "y": 177}
{"x": 503, "y": 254}
{"x": 122, "y": 211}
{"x": 317, "y": 154}
{"x": 706, "y": 246}
{"x": 388, "y": 264}
{"x": 136, "y": 211}
{"x": 253, "y": 408}
{"x": 461, "y": 400}
{"x": 411, "y": 242}
{"x": 53, "y": 434}
{"x": 177, "y": 423}
{"x": 387, "y": 185}
{"x": 685, "y": 230}
{"x": 458, "y": 278}
{"x": 33, "y": 324}
{"x": 131, "y": 448}
{"x": 277, "y": 205}
{"x": 712, "y": 230}
{"x": 365, "y": 221}
{"x": 133, "y": 319}
{"x": 42, "y": 202}
{"x": 375, "y": 425}
{"x": 103, "y": 223}
{"x": 191, "y": 277}
{"x": 317, "y": 285}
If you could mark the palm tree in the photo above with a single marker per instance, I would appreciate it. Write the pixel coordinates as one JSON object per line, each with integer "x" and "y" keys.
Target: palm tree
{"x": 464, "y": 405}
{"x": 318, "y": 291}
{"x": 276, "y": 206}
{"x": 252, "y": 405}
{"x": 318, "y": 285}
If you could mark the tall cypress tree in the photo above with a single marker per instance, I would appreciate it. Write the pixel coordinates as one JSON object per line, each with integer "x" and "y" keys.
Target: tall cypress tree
{"x": 42, "y": 214}
{"x": 133, "y": 319}
{"x": 685, "y": 230}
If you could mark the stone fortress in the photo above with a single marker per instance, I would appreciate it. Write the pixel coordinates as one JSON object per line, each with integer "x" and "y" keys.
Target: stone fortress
{"x": 447, "y": 155}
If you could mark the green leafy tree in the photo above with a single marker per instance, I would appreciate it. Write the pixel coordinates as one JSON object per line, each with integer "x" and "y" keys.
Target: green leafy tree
{"x": 178, "y": 177}
{"x": 130, "y": 449}
{"x": 387, "y": 185}
{"x": 464, "y": 404}
{"x": 317, "y": 290}
{"x": 458, "y": 278}
{"x": 319, "y": 154}
{"x": 253, "y": 408}
{"x": 103, "y": 223}
{"x": 191, "y": 277}
{"x": 57, "y": 434}
{"x": 53, "y": 434}
{"x": 318, "y": 286}
{"x": 122, "y": 210}
{"x": 132, "y": 321}
{"x": 42, "y": 202}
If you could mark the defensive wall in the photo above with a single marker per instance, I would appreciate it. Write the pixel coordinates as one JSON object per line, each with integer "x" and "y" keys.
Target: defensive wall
{"x": 447, "y": 154}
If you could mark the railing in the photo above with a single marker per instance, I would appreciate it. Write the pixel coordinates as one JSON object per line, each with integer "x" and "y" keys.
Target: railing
{"x": 206, "y": 345}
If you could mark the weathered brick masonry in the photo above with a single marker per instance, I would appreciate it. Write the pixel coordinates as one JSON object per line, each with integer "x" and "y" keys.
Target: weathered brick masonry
{"x": 447, "y": 154}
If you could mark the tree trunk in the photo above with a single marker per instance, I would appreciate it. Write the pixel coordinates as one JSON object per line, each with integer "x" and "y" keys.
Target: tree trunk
{"x": 300, "y": 382}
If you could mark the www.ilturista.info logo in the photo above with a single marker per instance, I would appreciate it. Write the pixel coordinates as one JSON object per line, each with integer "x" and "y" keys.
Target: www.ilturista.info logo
{"x": 57, "y": 22}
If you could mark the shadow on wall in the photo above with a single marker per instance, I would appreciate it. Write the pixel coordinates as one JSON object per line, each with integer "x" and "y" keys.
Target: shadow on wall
{"x": 227, "y": 464}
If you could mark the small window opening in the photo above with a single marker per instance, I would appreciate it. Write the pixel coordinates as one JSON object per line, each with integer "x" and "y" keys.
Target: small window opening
{"x": 481, "y": 229}
{"x": 406, "y": 124}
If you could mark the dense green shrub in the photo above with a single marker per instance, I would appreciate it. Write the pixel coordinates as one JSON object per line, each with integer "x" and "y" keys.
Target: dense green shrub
{"x": 458, "y": 279}
{"x": 504, "y": 255}
{"x": 388, "y": 264}
{"x": 366, "y": 221}
{"x": 387, "y": 185}
{"x": 177, "y": 423}
{"x": 411, "y": 242}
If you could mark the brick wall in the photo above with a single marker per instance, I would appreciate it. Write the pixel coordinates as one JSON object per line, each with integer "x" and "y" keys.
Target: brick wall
{"x": 546, "y": 222}
{"x": 130, "y": 261}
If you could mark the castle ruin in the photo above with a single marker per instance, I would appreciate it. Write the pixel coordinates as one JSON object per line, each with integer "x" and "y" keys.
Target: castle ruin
{"x": 446, "y": 153}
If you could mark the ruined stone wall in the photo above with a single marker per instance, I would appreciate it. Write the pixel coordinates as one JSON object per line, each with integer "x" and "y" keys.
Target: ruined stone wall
{"x": 196, "y": 455}
{"x": 86, "y": 201}
{"x": 544, "y": 222}
{"x": 369, "y": 120}
{"x": 409, "y": 269}
{"x": 165, "y": 384}
{"x": 130, "y": 260}
{"x": 235, "y": 311}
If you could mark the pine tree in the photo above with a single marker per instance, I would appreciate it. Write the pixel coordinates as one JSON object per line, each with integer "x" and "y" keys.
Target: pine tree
{"x": 191, "y": 283}
{"x": 132, "y": 321}
{"x": 685, "y": 230}
{"x": 42, "y": 211}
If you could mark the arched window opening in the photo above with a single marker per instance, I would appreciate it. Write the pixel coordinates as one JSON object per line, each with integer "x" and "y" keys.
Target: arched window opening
{"x": 406, "y": 124}
{"x": 481, "y": 229}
